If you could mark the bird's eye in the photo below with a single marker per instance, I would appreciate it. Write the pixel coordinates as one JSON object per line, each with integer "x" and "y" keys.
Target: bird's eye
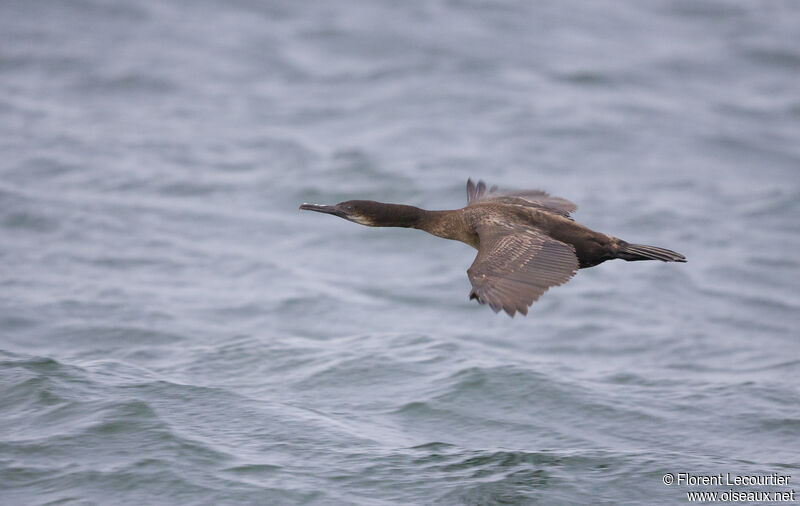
{"x": 349, "y": 208}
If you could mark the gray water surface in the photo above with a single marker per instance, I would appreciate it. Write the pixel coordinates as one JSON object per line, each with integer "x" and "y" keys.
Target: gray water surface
{"x": 174, "y": 331}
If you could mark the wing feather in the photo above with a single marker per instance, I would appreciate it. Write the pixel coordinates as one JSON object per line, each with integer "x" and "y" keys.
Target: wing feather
{"x": 516, "y": 265}
{"x": 533, "y": 198}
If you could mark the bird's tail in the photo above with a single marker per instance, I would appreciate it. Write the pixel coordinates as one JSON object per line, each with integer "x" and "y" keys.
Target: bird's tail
{"x": 633, "y": 252}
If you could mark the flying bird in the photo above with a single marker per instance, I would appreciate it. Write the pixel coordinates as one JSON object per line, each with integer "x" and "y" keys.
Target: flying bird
{"x": 526, "y": 240}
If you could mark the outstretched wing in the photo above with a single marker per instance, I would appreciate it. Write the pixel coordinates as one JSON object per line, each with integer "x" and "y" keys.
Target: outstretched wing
{"x": 516, "y": 265}
{"x": 533, "y": 198}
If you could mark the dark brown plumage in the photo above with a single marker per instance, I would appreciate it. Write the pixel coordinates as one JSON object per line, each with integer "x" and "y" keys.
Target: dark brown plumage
{"x": 526, "y": 240}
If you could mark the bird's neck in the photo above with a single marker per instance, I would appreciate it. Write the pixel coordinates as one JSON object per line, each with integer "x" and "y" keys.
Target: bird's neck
{"x": 448, "y": 224}
{"x": 397, "y": 215}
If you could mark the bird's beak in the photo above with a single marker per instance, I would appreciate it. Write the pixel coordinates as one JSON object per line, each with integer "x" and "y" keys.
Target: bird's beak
{"x": 321, "y": 209}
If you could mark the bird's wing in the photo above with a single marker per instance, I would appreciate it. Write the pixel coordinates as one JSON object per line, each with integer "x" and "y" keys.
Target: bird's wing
{"x": 515, "y": 265}
{"x": 533, "y": 198}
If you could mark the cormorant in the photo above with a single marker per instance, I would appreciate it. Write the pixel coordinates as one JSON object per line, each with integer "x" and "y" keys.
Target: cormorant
{"x": 526, "y": 240}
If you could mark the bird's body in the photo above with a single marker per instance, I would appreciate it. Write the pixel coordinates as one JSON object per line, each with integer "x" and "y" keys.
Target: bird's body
{"x": 591, "y": 247}
{"x": 526, "y": 240}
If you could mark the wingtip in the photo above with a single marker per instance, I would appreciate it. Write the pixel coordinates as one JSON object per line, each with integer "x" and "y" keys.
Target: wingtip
{"x": 470, "y": 190}
{"x": 476, "y": 190}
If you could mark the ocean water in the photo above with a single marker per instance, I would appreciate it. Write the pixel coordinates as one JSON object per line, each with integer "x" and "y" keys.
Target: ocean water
{"x": 174, "y": 331}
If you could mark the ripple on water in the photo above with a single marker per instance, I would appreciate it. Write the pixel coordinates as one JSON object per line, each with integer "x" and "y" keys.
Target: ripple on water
{"x": 179, "y": 333}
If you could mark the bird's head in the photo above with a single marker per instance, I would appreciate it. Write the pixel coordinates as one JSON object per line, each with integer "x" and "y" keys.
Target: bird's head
{"x": 359, "y": 211}
{"x": 370, "y": 213}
